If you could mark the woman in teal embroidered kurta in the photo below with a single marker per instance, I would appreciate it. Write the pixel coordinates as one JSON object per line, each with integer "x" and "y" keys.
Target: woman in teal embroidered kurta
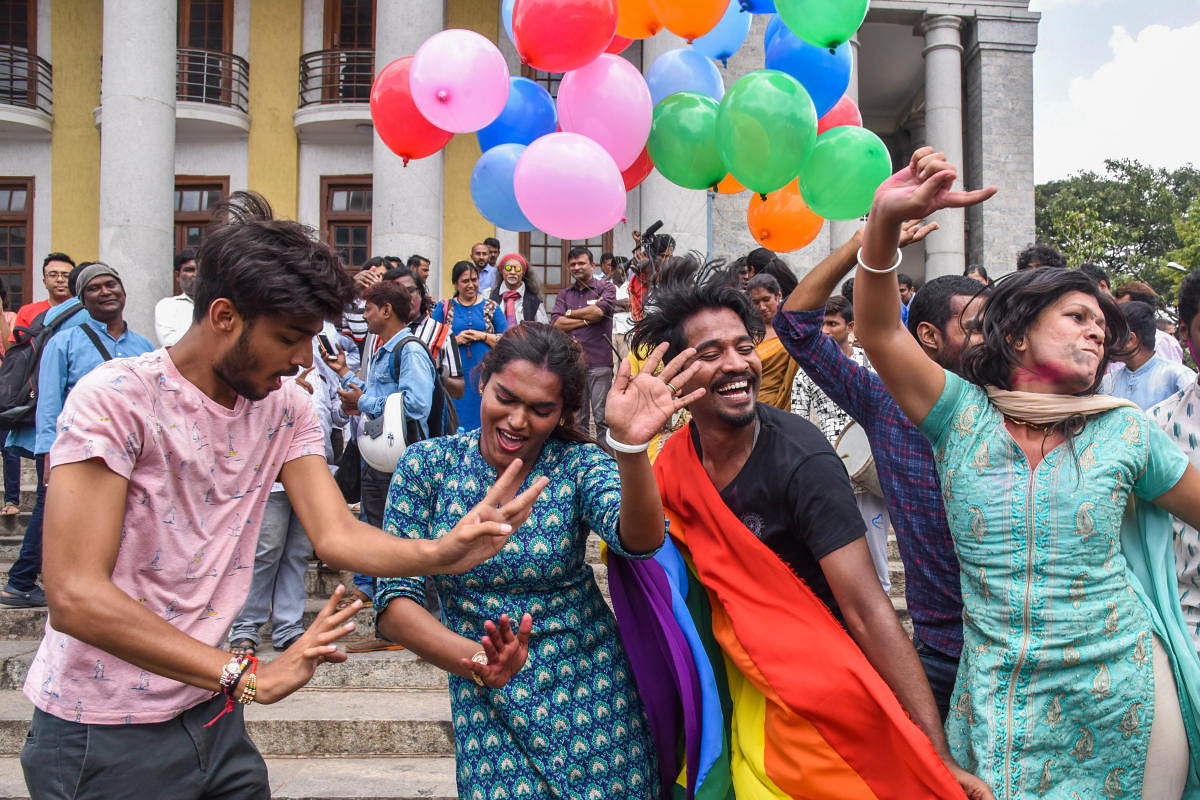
{"x": 1055, "y": 688}
{"x": 570, "y": 723}
{"x": 1072, "y": 680}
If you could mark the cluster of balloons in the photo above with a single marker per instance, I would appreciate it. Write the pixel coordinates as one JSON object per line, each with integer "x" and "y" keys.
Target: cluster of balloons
{"x": 788, "y": 132}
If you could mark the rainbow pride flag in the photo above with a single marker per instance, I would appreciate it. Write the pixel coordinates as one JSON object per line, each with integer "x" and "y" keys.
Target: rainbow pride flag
{"x": 751, "y": 687}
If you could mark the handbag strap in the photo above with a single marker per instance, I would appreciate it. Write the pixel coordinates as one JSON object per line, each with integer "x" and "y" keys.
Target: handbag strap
{"x": 91, "y": 334}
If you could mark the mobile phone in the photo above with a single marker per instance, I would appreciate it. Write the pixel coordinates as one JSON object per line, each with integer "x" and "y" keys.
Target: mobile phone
{"x": 326, "y": 345}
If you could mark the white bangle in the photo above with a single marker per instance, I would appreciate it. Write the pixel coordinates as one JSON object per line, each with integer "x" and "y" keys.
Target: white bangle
{"x": 621, "y": 447}
{"x": 892, "y": 268}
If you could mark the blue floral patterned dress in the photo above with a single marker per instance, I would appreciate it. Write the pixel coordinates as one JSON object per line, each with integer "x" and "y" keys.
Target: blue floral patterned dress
{"x": 570, "y": 724}
{"x": 1055, "y": 691}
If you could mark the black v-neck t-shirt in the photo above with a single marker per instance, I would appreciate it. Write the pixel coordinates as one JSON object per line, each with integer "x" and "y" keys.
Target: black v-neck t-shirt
{"x": 793, "y": 493}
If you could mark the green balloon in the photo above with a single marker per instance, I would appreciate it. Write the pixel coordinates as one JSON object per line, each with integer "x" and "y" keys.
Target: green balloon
{"x": 766, "y": 129}
{"x": 825, "y": 23}
{"x": 845, "y": 168}
{"x": 683, "y": 140}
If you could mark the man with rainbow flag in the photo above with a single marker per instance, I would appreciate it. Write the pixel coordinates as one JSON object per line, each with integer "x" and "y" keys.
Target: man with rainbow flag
{"x": 752, "y": 686}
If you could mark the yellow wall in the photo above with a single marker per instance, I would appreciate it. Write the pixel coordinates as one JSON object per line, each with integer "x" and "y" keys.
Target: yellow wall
{"x": 75, "y": 42}
{"x": 463, "y": 225}
{"x": 276, "y": 30}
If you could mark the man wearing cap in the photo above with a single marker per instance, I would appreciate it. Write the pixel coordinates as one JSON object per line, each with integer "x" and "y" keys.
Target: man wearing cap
{"x": 72, "y": 354}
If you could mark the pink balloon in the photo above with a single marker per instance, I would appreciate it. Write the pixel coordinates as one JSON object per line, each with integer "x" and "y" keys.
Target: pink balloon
{"x": 569, "y": 187}
{"x": 459, "y": 81}
{"x": 844, "y": 112}
{"x": 608, "y": 101}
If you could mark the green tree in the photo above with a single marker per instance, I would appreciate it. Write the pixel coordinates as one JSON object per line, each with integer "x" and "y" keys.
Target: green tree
{"x": 1126, "y": 220}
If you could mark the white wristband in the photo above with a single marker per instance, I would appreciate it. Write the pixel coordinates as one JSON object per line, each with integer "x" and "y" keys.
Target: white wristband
{"x": 892, "y": 268}
{"x": 621, "y": 447}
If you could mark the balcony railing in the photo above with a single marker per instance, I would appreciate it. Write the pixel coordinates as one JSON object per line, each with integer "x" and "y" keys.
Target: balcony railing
{"x": 25, "y": 80}
{"x": 210, "y": 76}
{"x": 336, "y": 76}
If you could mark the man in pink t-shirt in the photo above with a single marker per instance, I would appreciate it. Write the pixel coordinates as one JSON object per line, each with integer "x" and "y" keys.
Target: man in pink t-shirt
{"x": 160, "y": 472}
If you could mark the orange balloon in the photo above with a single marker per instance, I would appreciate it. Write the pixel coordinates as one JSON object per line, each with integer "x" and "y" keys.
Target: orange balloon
{"x": 690, "y": 19}
{"x": 636, "y": 20}
{"x": 783, "y": 221}
{"x": 730, "y": 185}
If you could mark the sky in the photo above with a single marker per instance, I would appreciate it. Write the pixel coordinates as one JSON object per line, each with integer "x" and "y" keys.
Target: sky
{"x": 1115, "y": 79}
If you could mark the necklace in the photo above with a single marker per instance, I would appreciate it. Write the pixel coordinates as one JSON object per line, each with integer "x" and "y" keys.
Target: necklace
{"x": 1045, "y": 430}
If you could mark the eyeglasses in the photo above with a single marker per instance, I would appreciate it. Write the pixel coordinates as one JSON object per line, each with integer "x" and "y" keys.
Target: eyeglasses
{"x": 512, "y": 267}
{"x": 55, "y": 276}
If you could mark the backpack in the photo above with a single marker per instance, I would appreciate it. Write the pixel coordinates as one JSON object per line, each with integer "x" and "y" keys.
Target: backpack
{"x": 21, "y": 366}
{"x": 443, "y": 418}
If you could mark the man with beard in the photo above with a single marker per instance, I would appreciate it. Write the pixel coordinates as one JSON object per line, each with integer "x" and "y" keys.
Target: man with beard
{"x": 173, "y": 315}
{"x": 584, "y": 310}
{"x": 160, "y": 473}
{"x": 763, "y": 508}
{"x": 941, "y": 317}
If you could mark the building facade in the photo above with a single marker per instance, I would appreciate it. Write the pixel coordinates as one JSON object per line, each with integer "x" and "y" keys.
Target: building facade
{"x": 122, "y": 122}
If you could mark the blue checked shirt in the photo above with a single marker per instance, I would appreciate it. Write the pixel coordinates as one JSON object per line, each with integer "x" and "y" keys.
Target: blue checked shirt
{"x": 904, "y": 461}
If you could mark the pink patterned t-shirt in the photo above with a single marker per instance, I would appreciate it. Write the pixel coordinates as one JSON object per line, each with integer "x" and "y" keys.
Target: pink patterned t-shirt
{"x": 199, "y": 475}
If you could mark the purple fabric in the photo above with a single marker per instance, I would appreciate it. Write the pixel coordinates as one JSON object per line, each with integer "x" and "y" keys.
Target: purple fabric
{"x": 662, "y": 662}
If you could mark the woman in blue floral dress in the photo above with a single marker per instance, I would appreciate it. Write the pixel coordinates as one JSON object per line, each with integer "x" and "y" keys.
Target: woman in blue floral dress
{"x": 1071, "y": 683}
{"x": 569, "y": 724}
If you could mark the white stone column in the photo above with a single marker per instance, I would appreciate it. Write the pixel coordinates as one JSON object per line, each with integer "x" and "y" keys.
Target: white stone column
{"x": 406, "y": 211}
{"x": 841, "y": 230}
{"x": 1000, "y": 137}
{"x": 945, "y": 251}
{"x": 137, "y": 153}
{"x": 684, "y": 212}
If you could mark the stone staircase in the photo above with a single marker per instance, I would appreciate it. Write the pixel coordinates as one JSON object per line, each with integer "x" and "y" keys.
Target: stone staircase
{"x": 376, "y": 727}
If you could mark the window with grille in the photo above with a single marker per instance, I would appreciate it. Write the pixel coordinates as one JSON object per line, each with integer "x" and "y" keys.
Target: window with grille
{"x": 205, "y": 32}
{"x": 16, "y": 239}
{"x": 346, "y": 216}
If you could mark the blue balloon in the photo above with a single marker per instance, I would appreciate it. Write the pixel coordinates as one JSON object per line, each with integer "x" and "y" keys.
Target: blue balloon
{"x": 823, "y": 73}
{"x": 528, "y": 115}
{"x": 506, "y": 12}
{"x": 758, "y": 6}
{"x": 773, "y": 27}
{"x": 727, "y": 36}
{"x": 684, "y": 70}
{"x": 492, "y": 187}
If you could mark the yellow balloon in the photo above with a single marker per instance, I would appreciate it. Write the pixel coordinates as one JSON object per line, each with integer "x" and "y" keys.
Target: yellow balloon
{"x": 690, "y": 19}
{"x": 636, "y": 20}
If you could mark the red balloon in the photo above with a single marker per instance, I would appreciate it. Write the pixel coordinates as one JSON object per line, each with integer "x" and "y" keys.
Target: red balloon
{"x": 844, "y": 112}
{"x": 562, "y": 35}
{"x": 397, "y": 121}
{"x": 618, "y": 45}
{"x": 638, "y": 171}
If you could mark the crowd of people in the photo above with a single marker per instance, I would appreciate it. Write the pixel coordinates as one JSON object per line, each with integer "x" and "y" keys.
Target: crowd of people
{"x": 742, "y": 441}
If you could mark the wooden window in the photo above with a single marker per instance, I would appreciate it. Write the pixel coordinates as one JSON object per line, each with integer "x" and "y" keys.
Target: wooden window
{"x": 346, "y": 216}
{"x": 195, "y": 198}
{"x": 349, "y": 24}
{"x": 206, "y": 24}
{"x": 18, "y": 25}
{"x": 16, "y": 239}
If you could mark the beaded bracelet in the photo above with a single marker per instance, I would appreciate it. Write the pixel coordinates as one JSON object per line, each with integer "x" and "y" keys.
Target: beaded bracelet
{"x": 230, "y": 673}
{"x": 249, "y": 690}
{"x": 872, "y": 270}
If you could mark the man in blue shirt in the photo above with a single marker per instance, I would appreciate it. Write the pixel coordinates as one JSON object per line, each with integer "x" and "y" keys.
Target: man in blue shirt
{"x": 69, "y": 355}
{"x": 1145, "y": 378}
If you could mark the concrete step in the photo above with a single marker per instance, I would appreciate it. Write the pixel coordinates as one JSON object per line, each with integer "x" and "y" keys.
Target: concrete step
{"x": 389, "y": 669}
{"x": 313, "y": 722}
{"x": 354, "y": 723}
{"x": 379, "y": 778}
{"x": 29, "y": 623}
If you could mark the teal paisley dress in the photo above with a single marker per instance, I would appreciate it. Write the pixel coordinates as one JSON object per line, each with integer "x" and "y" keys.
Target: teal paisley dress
{"x": 570, "y": 724}
{"x": 1055, "y": 691}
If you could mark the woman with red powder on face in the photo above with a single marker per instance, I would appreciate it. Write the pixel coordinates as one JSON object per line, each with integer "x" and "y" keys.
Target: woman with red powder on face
{"x": 1072, "y": 680}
